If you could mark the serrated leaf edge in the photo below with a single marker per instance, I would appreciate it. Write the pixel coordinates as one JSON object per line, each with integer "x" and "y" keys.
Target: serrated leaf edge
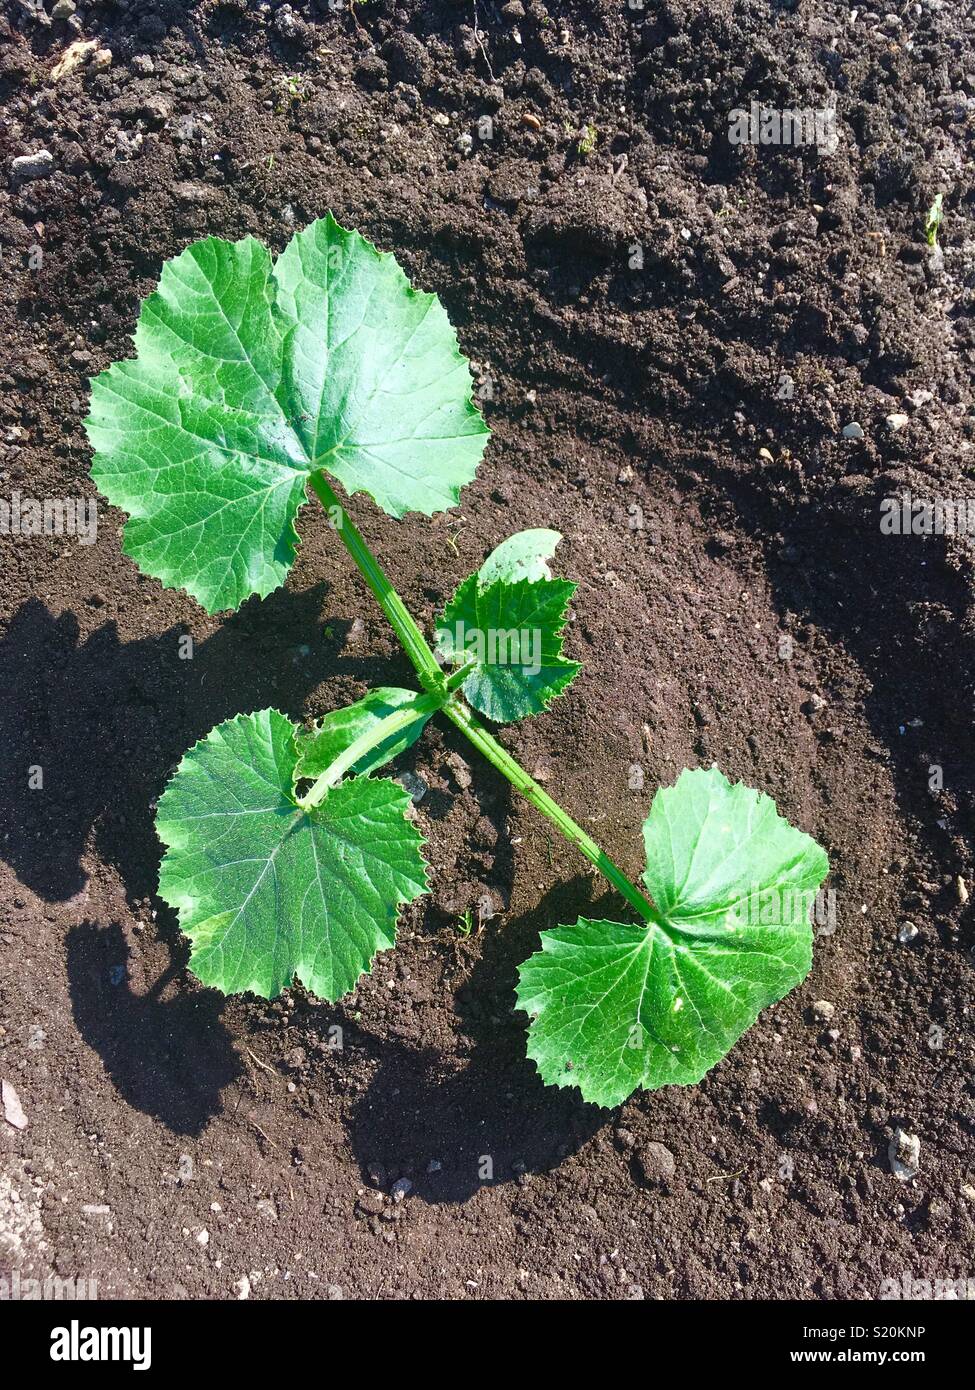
{"x": 420, "y": 840}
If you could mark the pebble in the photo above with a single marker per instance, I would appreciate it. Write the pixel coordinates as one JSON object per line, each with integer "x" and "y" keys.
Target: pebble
{"x": 73, "y": 56}
{"x": 156, "y": 107}
{"x": 101, "y": 59}
{"x": 401, "y": 1188}
{"x": 13, "y": 1111}
{"x": 289, "y": 26}
{"x": 461, "y": 772}
{"x": 656, "y": 1165}
{"x": 961, "y": 888}
{"x": 897, "y": 421}
{"x": 907, "y": 933}
{"x": 464, "y": 144}
{"x": 852, "y": 431}
{"x": 243, "y": 1287}
{"x": 39, "y": 165}
{"x": 904, "y": 1155}
{"x": 192, "y": 192}
{"x": 415, "y": 785}
{"x": 369, "y": 1203}
{"x": 823, "y": 1010}
{"x": 64, "y": 9}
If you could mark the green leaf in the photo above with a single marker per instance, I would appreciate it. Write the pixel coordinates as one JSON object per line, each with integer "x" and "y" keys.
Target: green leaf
{"x": 618, "y": 1007}
{"x": 266, "y": 891}
{"x": 521, "y": 556}
{"x": 933, "y": 219}
{"x": 373, "y": 373}
{"x": 319, "y": 747}
{"x": 507, "y": 621}
{"x": 248, "y": 378}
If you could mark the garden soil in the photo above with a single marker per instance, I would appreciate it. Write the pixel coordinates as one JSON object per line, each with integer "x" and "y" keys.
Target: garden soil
{"x": 705, "y": 363}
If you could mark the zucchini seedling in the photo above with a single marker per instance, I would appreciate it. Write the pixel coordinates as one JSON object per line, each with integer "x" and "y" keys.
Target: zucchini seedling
{"x": 286, "y": 855}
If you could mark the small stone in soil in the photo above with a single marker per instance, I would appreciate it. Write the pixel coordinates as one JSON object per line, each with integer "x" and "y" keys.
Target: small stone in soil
{"x": 823, "y": 1010}
{"x": 414, "y": 785}
{"x": 401, "y": 1188}
{"x": 904, "y": 1155}
{"x": 656, "y": 1165}
{"x": 907, "y": 933}
{"x": 852, "y": 431}
{"x": 39, "y": 165}
{"x": 369, "y": 1203}
{"x": 13, "y": 1111}
{"x": 460, "y": 770}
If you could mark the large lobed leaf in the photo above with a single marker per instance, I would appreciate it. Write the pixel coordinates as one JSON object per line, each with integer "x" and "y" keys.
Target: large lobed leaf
{"x": 248, "y": 377}
{"x": 267, "y": 891}
{"x": 618, "y": 1007}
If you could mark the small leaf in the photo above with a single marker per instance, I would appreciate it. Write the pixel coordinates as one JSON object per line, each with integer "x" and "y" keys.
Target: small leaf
{"x": 266, "y": 891}
{"x": 618, "y": 1007}
{"x": 507, "y": 619}
{"x": 248, "y": 378}
{"x": 319, "y": 747}
{"x": 521, "y": 556}
{"x": 933, "y": 219}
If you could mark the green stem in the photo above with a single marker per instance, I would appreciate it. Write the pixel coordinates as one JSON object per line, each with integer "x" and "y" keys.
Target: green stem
{"x": 432, "y": 678}
{"x": 486, "y": 744}
{"x": 457, "y": 678}
{"x": 422, "y": 707}
{"x": 414, "y": 643}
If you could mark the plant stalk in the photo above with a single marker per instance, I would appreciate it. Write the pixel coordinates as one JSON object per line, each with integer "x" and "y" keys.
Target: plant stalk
{"x": 485, "y": 743}
{"x": 443, "y": 696}
{"x": 423, "y": 705}
{"x": 414, "y": 643}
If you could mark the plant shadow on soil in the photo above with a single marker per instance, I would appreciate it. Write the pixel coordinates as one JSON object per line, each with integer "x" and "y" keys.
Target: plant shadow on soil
{"x": 170, "y": 1058}
{"x": 108, "y": 722}
{"x": 493, "y": 1115}
{"x": 873, "y": 595}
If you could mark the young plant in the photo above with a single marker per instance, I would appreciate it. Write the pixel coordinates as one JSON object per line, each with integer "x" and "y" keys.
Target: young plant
{"x": 286, "y": 855}
{"x": 933, "y": 219}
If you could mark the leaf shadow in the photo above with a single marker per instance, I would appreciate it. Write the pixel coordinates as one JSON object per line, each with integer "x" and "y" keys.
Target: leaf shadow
{"x": 489, "y": 1119}
{"x": 165, "y": 1048}
{"x": 107, "y": 721}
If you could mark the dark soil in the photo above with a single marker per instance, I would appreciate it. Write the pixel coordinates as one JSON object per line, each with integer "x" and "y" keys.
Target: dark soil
{"x": 708, "y": 515}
